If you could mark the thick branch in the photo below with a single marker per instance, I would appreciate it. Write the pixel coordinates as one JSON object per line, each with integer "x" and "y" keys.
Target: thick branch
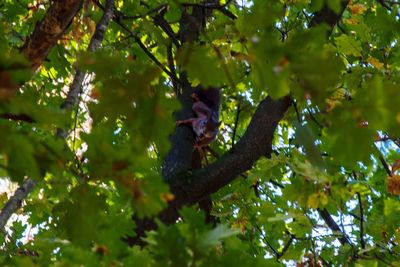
{"x": 15, "y": 202}
{"x": 47, "y": 32}
{"x": 17, "y": 117}
{"x": 256, "y": 142}
{"x": 95, "y": 43}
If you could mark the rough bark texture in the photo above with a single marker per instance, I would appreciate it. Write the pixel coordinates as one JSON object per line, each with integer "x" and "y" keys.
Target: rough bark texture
{"x": 48, "y": 31}
{"x": 179, "y": 158}
{"x": 15, "y": 202}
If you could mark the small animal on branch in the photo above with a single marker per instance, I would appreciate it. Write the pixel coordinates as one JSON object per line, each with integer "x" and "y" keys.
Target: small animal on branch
{"x": 206, "y": 123}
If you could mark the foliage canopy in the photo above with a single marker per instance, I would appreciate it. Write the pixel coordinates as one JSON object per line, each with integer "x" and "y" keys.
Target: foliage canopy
{"x": 305, "y": 168}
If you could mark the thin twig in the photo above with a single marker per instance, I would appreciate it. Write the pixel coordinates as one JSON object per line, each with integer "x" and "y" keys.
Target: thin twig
{"x": 171, "y": 66}
{"x": 267, "y": 242}
{"x": 148, "y": 13}
{"x": 306, "y": 16}
{"x": 314, "y": 119}
{"x": 286, "y": 247}
{"x": 17, "y": 117}
{"x": 216, "y": 6}
{"x": 137, "y": 39}
{"x": 236, "y": 124}
{"x": 326, "y": 216}
{"x": 341, "y": 28}
{"x": 385, "y": 5}
{"x": 296, "y": 109}
{"x": 276, "y": 183}
{"x": 164, "y": 25}
{"x": 148, "y": 53}
{"x": 384, "y": 261}
{"x": 362, "y": 241}
{"x": 383, "y": 161}
{"x": 223, "y": 64}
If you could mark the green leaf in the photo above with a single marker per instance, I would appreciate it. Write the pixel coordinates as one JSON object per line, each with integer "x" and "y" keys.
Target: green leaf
{"x": 202, "y": 65}
{"x": 335, "y": 5}
{"x": 366, "y": 263}
{"x": 21, "y": 160}
{"x": 80, "y": 216}
{"x": 214, "y": 236}
{"x": 348, "y": 46}
{"x": 305, "y": 137}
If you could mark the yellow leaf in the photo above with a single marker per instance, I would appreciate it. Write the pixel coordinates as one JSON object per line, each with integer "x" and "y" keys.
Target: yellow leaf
{"x": 167, "y": 197}
{"x": 323, "y": 199}
{"x": 357, "y": 9}
{"x": 351, "y": 21}
{"x": 313, "y": 201}
{"x": 3, "y": 198}
{"x": 316, "y": 200}
{"x": 375, "y": 62}
{"x": 241, "y": 224}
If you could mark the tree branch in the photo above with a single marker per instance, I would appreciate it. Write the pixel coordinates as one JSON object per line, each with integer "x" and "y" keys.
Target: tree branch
{"x": 15, "y": 202}
{"x": 383, "y": 161}
{"x": 286, "y": 247}
{"x": 72, "y": 99}
{"x": 236, "y": 124}
{"x": 256, "y": 142}
{"x": 326, "y": 216}
{"x": 385, "y": 5}
{"x": 327, "y": 16}
{"x": 95, "y": 43}
{"x": 46, "y": 34}
{"x": 276, "y": 254}
{"x": 164, "y": 25}
{"x": 17, "y": 117}
{"x": 171, "y": 66}
{"x": 362, "y": 241}
{"x": 216, "y": 6}
{"x": 117, "y": 19}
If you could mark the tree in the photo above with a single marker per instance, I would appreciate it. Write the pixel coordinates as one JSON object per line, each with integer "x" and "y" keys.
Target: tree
{"x": 305, "y": 169}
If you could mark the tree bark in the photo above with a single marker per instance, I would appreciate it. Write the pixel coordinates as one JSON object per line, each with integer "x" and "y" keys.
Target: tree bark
{"x": 48, "y": 31}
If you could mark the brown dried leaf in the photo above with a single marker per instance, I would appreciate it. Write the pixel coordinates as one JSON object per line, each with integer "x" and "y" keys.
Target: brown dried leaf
{"x": 393, "y": 184}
